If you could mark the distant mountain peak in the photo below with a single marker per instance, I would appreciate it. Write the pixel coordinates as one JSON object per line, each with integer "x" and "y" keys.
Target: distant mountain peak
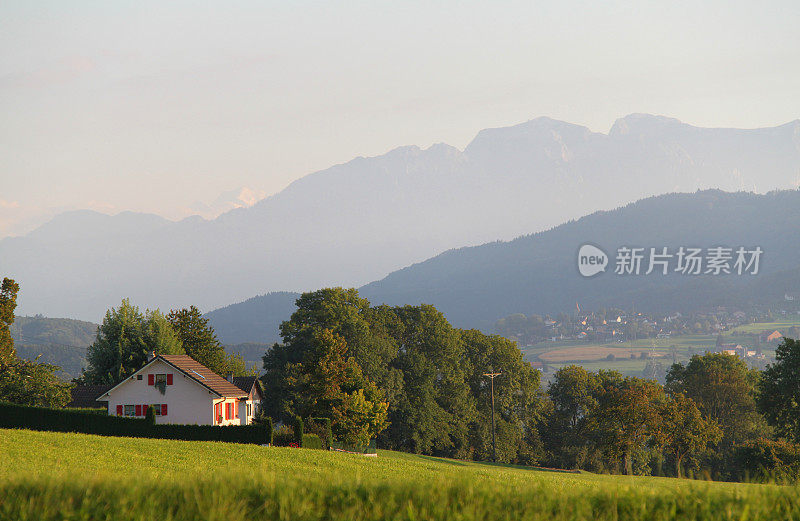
{"x": 642, "y": 123}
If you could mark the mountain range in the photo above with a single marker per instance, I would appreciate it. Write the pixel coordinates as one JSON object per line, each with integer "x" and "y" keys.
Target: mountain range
{"x": 538, "y": 273}
{"x": 354, "y": 223}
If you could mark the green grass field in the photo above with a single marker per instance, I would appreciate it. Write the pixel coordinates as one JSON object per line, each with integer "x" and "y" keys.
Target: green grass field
{"x": 72, "y": 476}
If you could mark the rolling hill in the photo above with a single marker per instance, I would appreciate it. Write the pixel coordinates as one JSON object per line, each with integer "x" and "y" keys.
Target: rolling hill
{"x": 356, "y": 222}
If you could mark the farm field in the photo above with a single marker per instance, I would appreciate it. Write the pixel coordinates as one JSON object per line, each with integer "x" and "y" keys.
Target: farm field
{"x": 758, "y": 327}
{"x": 73, "y": 476}
{"x": 592, "y": 356}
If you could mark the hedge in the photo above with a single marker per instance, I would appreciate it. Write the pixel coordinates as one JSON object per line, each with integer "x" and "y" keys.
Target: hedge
{"x": 312, "y": 441}
{"x": 63, "y": 420}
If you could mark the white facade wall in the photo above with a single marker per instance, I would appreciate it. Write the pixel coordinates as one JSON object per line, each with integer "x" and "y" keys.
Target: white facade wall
{"x": 232, "y": 421}
{"x": 187, "y": 401}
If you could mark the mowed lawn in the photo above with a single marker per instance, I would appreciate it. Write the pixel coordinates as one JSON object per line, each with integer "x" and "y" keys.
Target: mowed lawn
{"x": 73, "y": 476}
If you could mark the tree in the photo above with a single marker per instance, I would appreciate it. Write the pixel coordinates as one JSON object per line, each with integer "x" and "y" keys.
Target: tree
{"x": 200, "y": 342}
{"x": 517, "y": 395}
{"x": 572, "y": 391}
{"x": 724, "y": 390}
{"x": 8, "y": 303}
{"x": 434, "y": 412}
{"x": 25, "y": 382}
{"x": 366, "y": 333}
{"x": 779, "y": 390}
{"x": 124, "y": 341}
{"x": 328, "y": 383}
{"x": 626, "y": 416}
{"x": 682, "y": 431}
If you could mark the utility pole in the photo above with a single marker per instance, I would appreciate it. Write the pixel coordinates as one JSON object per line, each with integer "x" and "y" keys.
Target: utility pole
{"x": 492, "y": 376}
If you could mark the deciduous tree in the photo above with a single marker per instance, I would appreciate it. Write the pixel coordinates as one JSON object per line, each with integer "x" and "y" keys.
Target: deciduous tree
{"x": 779, "y": 390}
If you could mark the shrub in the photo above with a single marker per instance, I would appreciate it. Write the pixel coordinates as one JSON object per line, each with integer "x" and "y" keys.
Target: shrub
{"x": 60, "y": 420}
{"x": 268, "y": 429}
{"x": 150, "y": 415}
{"x": 322, "y": 428}
{"x": 298, "y": 430}
{"x": 312, "y": 441}
{"x": 767, "y": 460}
{"x": 283, "y": 436}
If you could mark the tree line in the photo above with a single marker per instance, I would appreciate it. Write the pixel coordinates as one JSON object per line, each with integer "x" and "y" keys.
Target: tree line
{"x": 407, "y": 377}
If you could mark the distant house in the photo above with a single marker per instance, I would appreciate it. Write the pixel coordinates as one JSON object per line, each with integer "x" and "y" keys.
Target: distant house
{"x": 252, "y": 387}
{"x": 182, "y": 391}
{"x": 773, "y": 336}
{"x": 85, "y": 396}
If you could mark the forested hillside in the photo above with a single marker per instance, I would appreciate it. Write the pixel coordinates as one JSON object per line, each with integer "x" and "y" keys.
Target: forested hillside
{"x": 538, "y": 274}
{"x": 59, "y": 341}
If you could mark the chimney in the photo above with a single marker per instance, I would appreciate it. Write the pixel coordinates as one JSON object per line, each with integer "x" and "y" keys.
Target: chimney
{"x": 151, "y": 355}
{"x": 229, "y": 376}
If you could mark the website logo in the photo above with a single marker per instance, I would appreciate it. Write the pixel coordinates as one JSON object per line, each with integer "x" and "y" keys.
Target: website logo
{"x": 629, "y": 260}
{"x": 591, "y": 260}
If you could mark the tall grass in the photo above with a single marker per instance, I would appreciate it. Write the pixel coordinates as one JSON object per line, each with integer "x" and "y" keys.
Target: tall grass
{"x": 72, "y": 476}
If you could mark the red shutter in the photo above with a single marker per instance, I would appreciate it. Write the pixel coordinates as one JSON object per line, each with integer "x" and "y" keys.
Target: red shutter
{"x": 169, "y": 379}
{"x": 144, "y": 409}
{"x": 138, "y": 410}
{"x": 227, "y": 410}
{"x": 164, "y": 408}
{"x": 119, "y": 410}
{"x": 151, "y": 379}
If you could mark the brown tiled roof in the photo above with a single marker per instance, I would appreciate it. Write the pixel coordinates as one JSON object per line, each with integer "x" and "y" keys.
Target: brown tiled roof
{"x": 203, "y": 375}
{"x": 245, "y": 383}
{"x": 85, "y": 395}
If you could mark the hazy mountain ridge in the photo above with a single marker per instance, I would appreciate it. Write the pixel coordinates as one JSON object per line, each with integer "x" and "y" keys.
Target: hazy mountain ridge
{"x": 537, "y": 273}
{"x": 355, "y": 222}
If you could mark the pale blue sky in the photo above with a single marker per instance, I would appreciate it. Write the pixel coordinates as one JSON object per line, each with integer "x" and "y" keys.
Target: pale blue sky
{"x": 152, "y": 106}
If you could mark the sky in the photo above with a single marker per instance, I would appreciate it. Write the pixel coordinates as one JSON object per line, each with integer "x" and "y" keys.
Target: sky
{"x": 178, "y": 108}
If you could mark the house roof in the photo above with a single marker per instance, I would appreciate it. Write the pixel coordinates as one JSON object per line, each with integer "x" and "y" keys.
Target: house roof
{"x": 203, "y": 375}
{"x": 245, "y": 383}
{"x": 195, "y": 371}
{"x": 84, "y": 395}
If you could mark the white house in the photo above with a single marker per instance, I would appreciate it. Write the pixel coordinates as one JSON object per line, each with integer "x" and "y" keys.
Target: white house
{"x": 182, "y": 391}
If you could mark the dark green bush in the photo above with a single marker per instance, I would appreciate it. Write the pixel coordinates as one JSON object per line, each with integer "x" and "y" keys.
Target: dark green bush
{"x": 766, "y": 460}
{"x": 312, "y": 441}
{"x": 322, "y": 428}
{"x": 63, "y": 420}
{"x": 283, "y": 436}
{"x": 298, "y": 431}
{"x": 150, "y": 415}
{"x": 268, "y": 429}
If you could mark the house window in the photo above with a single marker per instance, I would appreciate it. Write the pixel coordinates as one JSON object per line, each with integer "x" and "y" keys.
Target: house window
{"x": 130, "y": 410}
{"x": 249, "y": 410}
{"x": 157, "y": 407}
{"x": 138, "y": 377}
{"x": 161, "y": 378}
